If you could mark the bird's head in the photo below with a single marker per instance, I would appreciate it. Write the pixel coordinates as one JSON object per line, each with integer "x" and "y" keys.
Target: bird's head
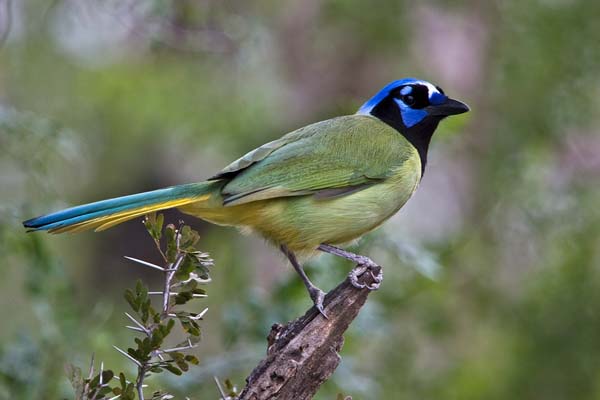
{"x": 414, "y": 107}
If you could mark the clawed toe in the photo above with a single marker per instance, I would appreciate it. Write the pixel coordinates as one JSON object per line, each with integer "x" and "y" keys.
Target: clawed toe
{"x": 318, "y": 296}
{"x": 354, "y": 274}
{"x": 364, "y": 264}
{"x": 360, "y": 270}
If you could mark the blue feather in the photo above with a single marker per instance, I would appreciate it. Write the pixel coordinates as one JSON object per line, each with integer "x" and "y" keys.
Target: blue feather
{"x": 410, "y": 116}
{"x": 435, "y": 97}
{"x": 86, "y": 212}
{"x": 382, "y": 94}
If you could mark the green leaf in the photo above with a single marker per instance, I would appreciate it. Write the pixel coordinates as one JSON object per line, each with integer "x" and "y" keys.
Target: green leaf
{"x": 153, "y": 313}
{"x": 150, "y": 222}
{"x": 202, "y": 271}
{"x": 183, "y": 297}
{"x": 142, "y": 355}
{"x": 182, "y": 365}
{"x": 172, "y": 369}
{"x": 187, "y": 266}
{"x": 141, "y": 290}
{"x": 153, "y": 224}
{"x": 107, "y": 375}
{"x": 131, "y": 299}
{"x": 189, "y": 326}
{"x": 95, "y": 381}
{"x": 145, "y": 311}
{"x": 157, "y": 339}
{"x": 194, "y": 330}
{"x": 155, "y": 316}
{"x": 171, "y": 243}
{"x": 231, "y": 388}
{"x": 192, "y": 359}
{"x": 129, "y": 393}
{"x": 191, "y": 285}
{"x": 189, "y": 238}
{"x": 104, "y": 391}
{"x": 159, "y": 225}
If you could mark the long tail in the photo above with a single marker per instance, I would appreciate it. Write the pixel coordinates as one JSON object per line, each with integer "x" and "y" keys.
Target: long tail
{"x": 107, "y": 213}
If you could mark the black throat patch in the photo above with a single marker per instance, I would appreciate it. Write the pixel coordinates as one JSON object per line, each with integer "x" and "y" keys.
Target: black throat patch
{"x": 418, "y": 135}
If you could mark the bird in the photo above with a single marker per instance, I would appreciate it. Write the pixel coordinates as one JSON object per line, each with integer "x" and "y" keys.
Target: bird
{"x": 314, "y": 189}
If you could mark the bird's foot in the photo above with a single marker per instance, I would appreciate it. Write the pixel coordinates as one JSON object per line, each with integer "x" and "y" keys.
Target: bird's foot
{"x": 375, "y": 273}
{"x": 317, "y": 296}
{"x": 363, "y": 265}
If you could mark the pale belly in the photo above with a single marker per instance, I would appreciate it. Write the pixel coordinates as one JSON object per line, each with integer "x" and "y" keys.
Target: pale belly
{"x": 304, "y": 222}
{"x": 308, "y": 222}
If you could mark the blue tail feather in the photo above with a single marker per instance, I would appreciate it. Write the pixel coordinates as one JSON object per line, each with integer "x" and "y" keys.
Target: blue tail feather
{"x": 87, "y": 212}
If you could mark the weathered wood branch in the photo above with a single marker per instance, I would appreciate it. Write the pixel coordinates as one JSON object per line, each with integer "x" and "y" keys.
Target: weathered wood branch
{"x": 303, "y": 353}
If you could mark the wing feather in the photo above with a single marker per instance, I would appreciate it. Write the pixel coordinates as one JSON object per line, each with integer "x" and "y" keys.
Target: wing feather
{"x": 328, "y": 159}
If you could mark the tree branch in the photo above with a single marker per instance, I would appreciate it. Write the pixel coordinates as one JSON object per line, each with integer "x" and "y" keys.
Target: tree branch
{"x": 303, "y": 354}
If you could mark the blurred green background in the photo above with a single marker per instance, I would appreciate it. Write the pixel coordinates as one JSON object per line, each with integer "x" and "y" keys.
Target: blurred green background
{"x": 492, "y": 279}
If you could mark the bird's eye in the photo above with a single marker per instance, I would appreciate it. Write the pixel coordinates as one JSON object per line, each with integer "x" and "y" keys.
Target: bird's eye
{"x": 408, "y": 99}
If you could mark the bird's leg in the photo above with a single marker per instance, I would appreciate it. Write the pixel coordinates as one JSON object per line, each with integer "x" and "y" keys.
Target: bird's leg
{"x": 364, "y": 264}
{"x": 316, "y": 294}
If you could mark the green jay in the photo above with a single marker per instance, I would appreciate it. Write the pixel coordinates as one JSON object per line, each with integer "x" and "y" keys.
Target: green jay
{"x": 322, "y": 185}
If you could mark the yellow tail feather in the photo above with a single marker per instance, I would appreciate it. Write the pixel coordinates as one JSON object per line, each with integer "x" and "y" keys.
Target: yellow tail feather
{"x": 108, "y": 221}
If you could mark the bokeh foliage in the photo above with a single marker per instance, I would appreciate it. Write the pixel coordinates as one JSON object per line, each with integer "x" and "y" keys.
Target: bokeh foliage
{"x": 492, "y": 271}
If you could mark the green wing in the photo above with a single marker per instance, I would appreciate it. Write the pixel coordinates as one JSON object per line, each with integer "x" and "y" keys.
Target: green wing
{"x": 327, "y": 159}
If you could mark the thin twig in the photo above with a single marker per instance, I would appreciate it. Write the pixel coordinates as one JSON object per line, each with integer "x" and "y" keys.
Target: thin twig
{"x": 140, "y": 381}
{"x": 101, "y": 371}
{"x": 179, "y": 348}
{"x": 135, "y": 328}
{"x": 86, "y": 389}
{"x": 91, "y": 367}
{"x": 176, "y": 293}
{"x": 199, "y": 315}
{"x": 168, "y": 278}
{"x": 222, "y": 394}
{"x": 100, "y": 383}
{"x": 145, "y": 263}
{"x": 128, "y": 356}
{"x": 193, "y": 277}
{"x": 139, "y": 324}
{"x": 157, "y": 242}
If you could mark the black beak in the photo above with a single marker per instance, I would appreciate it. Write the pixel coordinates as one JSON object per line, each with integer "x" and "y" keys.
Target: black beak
{"x": 449, "y": 107}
